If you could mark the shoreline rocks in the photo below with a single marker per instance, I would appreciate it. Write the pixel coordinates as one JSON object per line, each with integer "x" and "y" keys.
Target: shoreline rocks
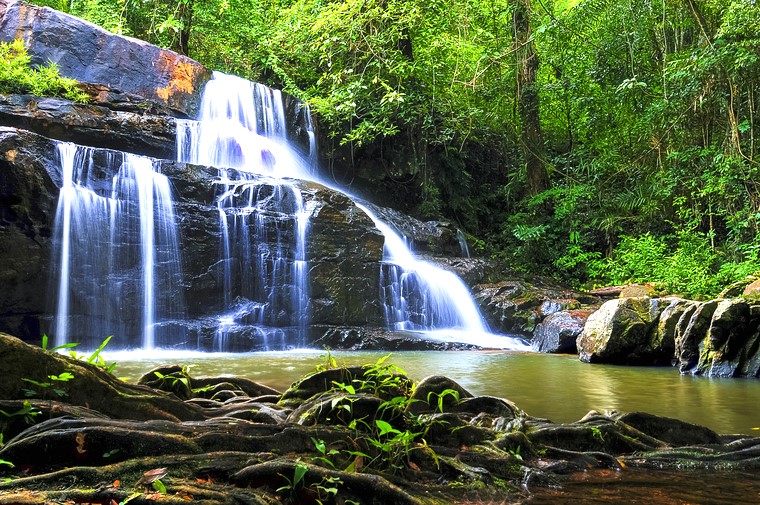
{"x": 716, "y": 338}
{"x": 368, "y": 433}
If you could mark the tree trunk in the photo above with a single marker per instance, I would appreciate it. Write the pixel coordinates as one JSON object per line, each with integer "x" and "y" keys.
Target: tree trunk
{"x": 527, "y": 100}
{"x": 185, "y": 14}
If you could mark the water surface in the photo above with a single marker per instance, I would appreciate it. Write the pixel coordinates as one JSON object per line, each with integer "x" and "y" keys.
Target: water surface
{"x": 557, "y": 387}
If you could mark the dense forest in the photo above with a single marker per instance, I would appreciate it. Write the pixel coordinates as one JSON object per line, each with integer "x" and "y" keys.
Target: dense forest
{"x": 597, "y": 141}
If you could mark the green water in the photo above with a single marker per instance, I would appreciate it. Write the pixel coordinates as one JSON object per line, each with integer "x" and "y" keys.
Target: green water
{"x": 559, "y": 388}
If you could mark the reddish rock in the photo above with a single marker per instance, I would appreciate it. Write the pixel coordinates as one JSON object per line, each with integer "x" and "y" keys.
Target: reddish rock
{"x": 116, "y": 68}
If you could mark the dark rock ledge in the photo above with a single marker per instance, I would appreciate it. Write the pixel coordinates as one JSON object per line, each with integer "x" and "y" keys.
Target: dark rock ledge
{"x": 361, "y": 434}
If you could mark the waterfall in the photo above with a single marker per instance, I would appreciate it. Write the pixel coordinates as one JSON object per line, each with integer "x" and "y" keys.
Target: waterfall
{"x": 118, "y": 252}
{"x": 263, "y": 223}
{"x": 463, "y": 244}
{"x": 419, "y": 295}
{"x": 119, "y": 263}
{"x": 241, "y": 130}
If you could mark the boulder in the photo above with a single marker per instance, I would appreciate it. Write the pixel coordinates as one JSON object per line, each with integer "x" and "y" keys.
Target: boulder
{"x": 120, "y": 70}
{"x": 637, "y": 290}
{"x": 752, "y": 290}
{"x": 738, "y": 288}
{"x": 665, "y": 333}
{"x": 731, "y": 346}
{"x": 620, "y": 333}
{"x": 558, "y": 332}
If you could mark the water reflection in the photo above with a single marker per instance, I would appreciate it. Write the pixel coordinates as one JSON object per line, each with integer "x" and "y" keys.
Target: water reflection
{"x": 638, "y": 487}
{"x": 559, "y": 388}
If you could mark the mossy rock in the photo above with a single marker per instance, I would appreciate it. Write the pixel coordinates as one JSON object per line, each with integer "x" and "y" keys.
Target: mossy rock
{"x": 436, "y": 393}
{"x": 91, "y": 386}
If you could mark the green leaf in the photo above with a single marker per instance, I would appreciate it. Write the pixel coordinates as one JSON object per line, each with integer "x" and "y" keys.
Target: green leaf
{"x": 97, "y": 352}
{"x": 159, "y": 486}
{"x": 385, "y": 427}
{"x": 298, "y": 473}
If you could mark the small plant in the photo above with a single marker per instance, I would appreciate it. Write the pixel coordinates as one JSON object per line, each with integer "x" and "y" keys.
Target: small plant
{"x": 54, "y": 379}
{"x": 94, "y": 359}
{"x": 385, "y": 380}
{"x": 597, "y": 433}
{"x": 515, "y": 453}
{"x": 327, "y": 489}
{"x": 153, "y": 478}
{"x": 27, "y": 411}
{"x": 326, "y": 454}
{"x": 329, "y": 361}
{"x": 45, "y": 343}
{"x": 294, "y": 485}
{"x": 441, "y": 397}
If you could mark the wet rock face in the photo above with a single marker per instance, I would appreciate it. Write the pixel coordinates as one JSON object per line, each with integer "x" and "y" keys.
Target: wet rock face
{"x": 28, "y": 198}
{"x": 517, "y": 306}
{"x": 344, "y": 248}
{"x": 424, "y": 237}
{"x": 559, "y": 331}
{"x": 121, "y": 70}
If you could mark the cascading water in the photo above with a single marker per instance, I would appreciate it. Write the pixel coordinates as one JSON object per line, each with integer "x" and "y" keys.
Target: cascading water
{"x": 419, "y": 295}
{"x": 118, "y": 251}
{"x": 463, "y": 244}
{"x": 263, "y": 223}
{"x": 242, "y": 127}
{"x": 422, "y": 297}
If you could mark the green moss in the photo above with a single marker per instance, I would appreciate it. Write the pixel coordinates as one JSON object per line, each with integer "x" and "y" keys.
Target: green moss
{"x": 18, "y": 76}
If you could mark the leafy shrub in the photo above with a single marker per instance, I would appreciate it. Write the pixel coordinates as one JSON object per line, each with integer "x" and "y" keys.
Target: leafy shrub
{"x": 683, "y": 263}
{"x": 17, "y": 76}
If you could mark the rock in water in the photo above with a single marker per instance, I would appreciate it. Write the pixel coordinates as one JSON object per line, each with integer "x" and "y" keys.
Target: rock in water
{"x": 558, "y": 332}
{"x": 620, "y": 332}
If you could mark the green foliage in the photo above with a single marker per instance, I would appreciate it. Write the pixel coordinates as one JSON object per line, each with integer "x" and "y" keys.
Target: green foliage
{"x": 48, "y": 385}
{"x": 299, "y": 472}
{"x": 177, "y": 382}
{"x": 684, "y": 263}
{"x": 18, "y": 76}
{"x": 94, "y": 358}
{"x": 441, "y": 397}
{"x": 647, "y": 116}
{"x": 158, "y": 486}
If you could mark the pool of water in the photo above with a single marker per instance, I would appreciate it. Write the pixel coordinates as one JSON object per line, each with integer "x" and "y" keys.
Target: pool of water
{"x": 557, "y": 387}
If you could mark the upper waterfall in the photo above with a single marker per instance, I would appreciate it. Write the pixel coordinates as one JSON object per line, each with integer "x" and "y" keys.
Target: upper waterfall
{"x": 242, "y": 125}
